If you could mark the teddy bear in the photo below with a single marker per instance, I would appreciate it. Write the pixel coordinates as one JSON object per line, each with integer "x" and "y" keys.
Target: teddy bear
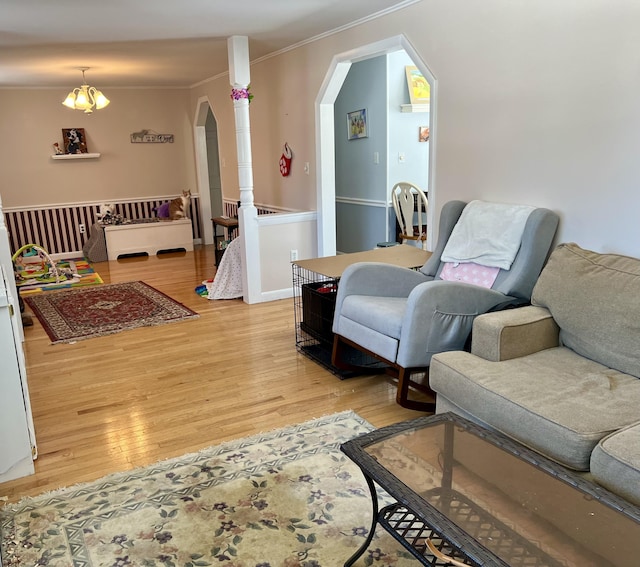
{"x": 106, "y": 210}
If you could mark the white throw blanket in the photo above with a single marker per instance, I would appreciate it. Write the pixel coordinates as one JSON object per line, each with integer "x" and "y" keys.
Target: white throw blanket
{"x": 488, "y": 234}
{"x": 227, "y": 283}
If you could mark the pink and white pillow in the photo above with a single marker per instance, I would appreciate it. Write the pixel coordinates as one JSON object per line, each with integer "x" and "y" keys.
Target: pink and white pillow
{"x": 470, "y": 273}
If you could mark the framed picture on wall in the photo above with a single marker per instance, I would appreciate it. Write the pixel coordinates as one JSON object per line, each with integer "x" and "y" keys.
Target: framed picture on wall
{"x": 419, "y": 89}
{"x": 423, "y": 134}
{"x": 74, "y": 141}
{"x": 357, "y": 126}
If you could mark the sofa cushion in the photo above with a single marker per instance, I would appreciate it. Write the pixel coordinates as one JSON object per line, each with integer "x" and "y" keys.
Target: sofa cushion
{"x": 595, "y": 300}
{"x": 554, "y": 401}
{"x": 615, "y": 463}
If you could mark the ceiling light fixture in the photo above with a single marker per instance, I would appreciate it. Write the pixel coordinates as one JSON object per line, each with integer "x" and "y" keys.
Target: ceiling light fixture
{"x": 85, "y": 97}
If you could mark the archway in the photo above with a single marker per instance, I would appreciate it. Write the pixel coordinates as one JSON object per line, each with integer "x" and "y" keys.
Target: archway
{"x": 325, "y": 144}
{"x": 203, "y": 112}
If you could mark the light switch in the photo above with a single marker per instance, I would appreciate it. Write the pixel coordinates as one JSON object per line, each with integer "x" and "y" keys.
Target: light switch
{"x": 400, "y": 157}
{"x": 376, "y": 157}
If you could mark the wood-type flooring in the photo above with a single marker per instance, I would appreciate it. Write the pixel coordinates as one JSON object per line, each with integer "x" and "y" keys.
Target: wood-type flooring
{"x": 127, "y": 400}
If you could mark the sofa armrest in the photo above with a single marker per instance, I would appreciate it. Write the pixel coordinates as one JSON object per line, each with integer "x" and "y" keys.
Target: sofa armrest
{"x": 513, "y": 333}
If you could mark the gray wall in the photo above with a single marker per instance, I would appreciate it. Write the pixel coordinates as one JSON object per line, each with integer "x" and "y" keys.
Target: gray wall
{"x": 361, "y": 185}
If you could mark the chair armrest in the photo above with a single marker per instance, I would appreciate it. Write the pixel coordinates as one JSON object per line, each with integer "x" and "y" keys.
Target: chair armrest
{"x": 377, "y": 279}
{"x": 513, "y": 333}
{"x": 439, "y": 317}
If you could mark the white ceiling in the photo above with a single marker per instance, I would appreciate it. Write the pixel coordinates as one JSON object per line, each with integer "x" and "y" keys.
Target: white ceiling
{"x": 152, "y": 43}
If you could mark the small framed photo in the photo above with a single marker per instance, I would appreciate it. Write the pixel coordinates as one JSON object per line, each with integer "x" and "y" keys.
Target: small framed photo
{"x": 357, "y": 126}
{"x": 74, "y": 141}
{"x": 419, "y": 88}
{"x": 423, "y": 134}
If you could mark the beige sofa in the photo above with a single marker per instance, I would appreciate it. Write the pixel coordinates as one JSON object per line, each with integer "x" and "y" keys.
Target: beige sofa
{"x": 561, "y": 376}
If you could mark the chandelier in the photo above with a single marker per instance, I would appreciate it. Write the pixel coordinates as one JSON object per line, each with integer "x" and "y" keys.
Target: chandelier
{"x": 85, "y": 97}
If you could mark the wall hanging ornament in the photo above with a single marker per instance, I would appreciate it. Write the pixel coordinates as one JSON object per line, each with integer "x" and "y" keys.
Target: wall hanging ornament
{"x": 285, "y": 161}
{"x": 150, "y": 137}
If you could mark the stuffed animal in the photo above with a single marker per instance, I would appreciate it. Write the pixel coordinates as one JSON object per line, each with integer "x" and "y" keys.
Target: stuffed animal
{"x": 106, "y": 210}
{"x": 107, "y": 215}
{"x": 162, "y": 212}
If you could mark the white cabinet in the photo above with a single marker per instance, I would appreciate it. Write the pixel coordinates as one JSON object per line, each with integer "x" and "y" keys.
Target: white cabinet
{"x": 149, "y": 237}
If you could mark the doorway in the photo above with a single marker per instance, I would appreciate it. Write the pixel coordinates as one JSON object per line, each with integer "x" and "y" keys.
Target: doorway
{"x": 325, "y": 118}
{"x": 207, "y": 166}
{"x": 213, "y": 164}
{"x": 390, "y": 149}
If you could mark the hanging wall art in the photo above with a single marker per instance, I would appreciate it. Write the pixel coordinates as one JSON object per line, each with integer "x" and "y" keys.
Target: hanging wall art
{"x": 357, "y": 126}
{"x": 419, "y": 88}
{"x": 150, "y": 137}
{"x": 74, "y": 141}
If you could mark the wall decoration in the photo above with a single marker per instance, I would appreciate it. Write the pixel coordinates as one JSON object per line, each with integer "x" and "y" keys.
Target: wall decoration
{"x": 419, "y": 89}
{"x": 74, "y": 141}
{"x": 357, "y": 124}
{"x": 150, "y": 137}
{"x": 423, "y": 134}
{"x": 285, "y": 161}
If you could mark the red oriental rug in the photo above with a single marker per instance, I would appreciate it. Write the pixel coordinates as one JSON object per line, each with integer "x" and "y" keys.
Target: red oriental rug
{"x": 78, "y": 314}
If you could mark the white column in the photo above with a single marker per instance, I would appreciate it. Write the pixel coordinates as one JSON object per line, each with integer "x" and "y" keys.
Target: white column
{"x": 239, "y": 77}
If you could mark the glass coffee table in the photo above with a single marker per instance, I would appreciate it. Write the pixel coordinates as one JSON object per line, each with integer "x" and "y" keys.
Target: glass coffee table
{"x": 464, "y": 495}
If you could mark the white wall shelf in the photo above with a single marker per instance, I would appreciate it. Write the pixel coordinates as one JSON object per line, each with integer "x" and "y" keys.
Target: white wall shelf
{"x": 415, "y": 107}
{"x": 76, "y": 156}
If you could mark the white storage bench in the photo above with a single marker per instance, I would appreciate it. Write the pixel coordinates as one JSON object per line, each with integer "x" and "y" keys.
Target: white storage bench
{"x": 148, "y": 237}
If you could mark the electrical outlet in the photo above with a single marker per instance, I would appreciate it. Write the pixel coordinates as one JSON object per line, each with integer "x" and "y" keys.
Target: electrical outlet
{"x": 294, "y": 255}
{"x": 81, "y": 228}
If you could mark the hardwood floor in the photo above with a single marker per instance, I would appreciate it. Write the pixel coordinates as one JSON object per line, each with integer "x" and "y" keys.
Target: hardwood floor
{"x": 127, "y": 400}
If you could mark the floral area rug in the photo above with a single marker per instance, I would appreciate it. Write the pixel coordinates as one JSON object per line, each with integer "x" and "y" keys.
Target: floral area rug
{"x": 36, "y": 277}
{"x": 77, "y": 314}
{"x": 287, "y": 498}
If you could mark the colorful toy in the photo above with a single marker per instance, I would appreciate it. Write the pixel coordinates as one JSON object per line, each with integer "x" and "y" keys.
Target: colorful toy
{"x": 37, "y": 265}
{"x": 203, "y": 290}
{"x": 35, "y": 269}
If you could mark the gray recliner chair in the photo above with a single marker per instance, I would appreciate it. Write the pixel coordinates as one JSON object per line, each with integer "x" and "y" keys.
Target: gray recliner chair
{"x": 402, "y": 317}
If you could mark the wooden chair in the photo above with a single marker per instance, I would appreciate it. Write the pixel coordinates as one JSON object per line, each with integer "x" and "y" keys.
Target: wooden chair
{"x": 408, "y": 199}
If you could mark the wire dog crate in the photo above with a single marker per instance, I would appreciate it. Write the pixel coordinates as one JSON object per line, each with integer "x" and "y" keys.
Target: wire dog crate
{"x": 315, "y": 287}
{"x": 314, "y": 300}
